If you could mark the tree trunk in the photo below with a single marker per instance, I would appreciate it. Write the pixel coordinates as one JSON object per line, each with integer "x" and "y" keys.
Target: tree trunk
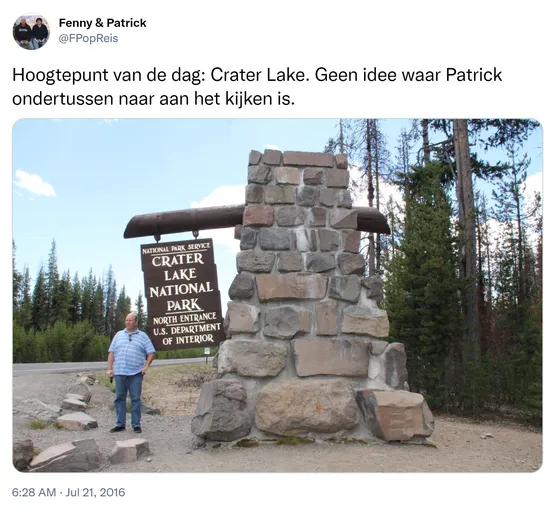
{"x": 371, "y": 252}
{"x": 467, "y": 219}
{"x": 425, "y": 142}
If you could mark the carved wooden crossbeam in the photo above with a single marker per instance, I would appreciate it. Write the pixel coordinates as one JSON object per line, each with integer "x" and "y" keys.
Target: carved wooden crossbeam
{"x": 196, "y": 219}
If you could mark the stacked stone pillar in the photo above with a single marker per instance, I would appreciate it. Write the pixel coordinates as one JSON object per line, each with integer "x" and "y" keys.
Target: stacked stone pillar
{"x": 304, "y": 354}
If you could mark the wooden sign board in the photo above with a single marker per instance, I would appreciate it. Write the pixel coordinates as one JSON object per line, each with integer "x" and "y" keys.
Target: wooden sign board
{"x": 181, "y": 290}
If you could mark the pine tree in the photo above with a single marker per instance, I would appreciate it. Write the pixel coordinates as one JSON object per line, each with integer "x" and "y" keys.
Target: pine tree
{"x": 97, "y": 310}
{"x": 40, "y": 308}
{"x": 25, "y": 316}
{"x": 123, "y": 308}
{"x": 422, "y": 287}
{"x": 17, "y": 282}
{"x": 76, "y": 298}
{"x": 110, "y": 304}
{"x": 141, "y": 315}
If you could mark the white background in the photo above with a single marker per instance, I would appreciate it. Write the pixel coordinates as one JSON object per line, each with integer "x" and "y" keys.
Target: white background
{"x": 395, "y": 35}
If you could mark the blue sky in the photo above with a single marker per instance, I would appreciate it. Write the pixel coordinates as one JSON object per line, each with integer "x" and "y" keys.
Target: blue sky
{"x": 80, "y": 182}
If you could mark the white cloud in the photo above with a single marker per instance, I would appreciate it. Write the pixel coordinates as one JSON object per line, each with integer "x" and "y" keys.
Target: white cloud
{"x": 108, "y": 121}
{"x": 222, "y": 196}
{"x": 360, "y": 195}
{"x": 33, "y": 183}
{"x": 271, "y": 146}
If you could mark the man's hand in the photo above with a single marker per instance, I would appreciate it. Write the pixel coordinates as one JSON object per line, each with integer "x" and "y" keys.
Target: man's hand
{"x": 109, "y": 373}
{"x": 144, "y": 369}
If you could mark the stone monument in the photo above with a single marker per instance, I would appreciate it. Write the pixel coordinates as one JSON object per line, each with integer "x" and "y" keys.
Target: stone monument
{"x": 304, "y": 354}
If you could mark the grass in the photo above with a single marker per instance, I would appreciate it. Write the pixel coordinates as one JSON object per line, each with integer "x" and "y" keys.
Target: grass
{"x": 105, "y": 381}
{"x": 38, "y": 424}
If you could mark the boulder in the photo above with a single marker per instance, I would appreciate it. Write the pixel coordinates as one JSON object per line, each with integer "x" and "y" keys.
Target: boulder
{"x": 22, "y": 453}
{"x": 395, "y": 365}
{"x": 73, "y": 404}
{"x": 221, "y": 413}
{"x": 77, "y": 456}
{"x": 38, "y": 410}
{"x": 76, "y": 421}
{"x": 252, "y": 358}
{"x": 395, "y": 415}
{"x": 129, "y": 450}
{"x": 298, "y": 407}
{"x": 80, "y": 388}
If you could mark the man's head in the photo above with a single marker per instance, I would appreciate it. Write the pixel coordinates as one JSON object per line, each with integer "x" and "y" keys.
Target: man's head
{"x": 131, "y": 321}
{"x": 39, "y": 21}
{"x": 23, "y": 21}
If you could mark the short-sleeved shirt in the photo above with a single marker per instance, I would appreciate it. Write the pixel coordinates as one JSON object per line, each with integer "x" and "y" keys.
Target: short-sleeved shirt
{"x": 129, "y": 356}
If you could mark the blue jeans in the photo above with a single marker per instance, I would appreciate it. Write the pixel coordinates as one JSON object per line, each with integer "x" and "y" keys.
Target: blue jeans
{"x": 133, "y": 384}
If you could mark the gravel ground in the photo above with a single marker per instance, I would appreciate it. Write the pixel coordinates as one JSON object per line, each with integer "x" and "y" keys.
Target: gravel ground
{"x": 459, "y": 446}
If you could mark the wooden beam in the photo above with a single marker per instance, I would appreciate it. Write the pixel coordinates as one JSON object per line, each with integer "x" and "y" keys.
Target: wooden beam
{"x": 197, "y": 219}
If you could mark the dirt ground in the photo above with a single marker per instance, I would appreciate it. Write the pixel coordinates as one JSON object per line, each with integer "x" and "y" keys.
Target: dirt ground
{"x": 460, "y": 443}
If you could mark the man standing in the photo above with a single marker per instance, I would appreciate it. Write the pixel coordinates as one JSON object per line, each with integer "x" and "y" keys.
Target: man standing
{"x": 129, "y": 357}
{"x": 39, "y": 33}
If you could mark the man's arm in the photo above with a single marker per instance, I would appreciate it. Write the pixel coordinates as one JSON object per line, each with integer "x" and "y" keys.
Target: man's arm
{"x": 110, "y": 369}
{"x": 149, "y": 359}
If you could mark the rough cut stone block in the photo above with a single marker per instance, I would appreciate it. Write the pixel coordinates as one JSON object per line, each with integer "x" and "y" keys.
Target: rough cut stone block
{"x": 343, "y": 219}
{"x": 73, "y": 405}
{"x": 280, "y": 194}
{"x": 318, "y": 262}
{"x": 242, "y": 287}
{"x": 288, "y": 176}
{"x": 81, "y": 388}
{"x": 254, "y": 193}
{"x": 77, "y": 421}
{"x": 327, "y": 196}
{"x": 317, "y": 217}
{"x": 344, "y": 199}
{"x": 261, "y": 174}
{"x": 351, "y": 264}
{"x": 237, "y": 231}
{"x": 291, "y": 286}
{"x": 326, "y": 318}
{"x": 395, "y": 415}
{"x": 290, "y": 216}
{"x": 221, "y": 413}
{"x": 252, "y": 358}
{"x": 302, "y": 159}
{"x": 329, "y": 240}
{"x": 301, "y": 406}
{"x": 254, "y": 157}
{"x": 129, "y": 450}
{"x": 345, "y": 288}
{"x": 290, "y": 262}
{"x": 374, "y": 285}
{"x": 304, "y": 240}
{"x": 286, "y": 321}
{"x": 306, "y": 195}
{"x": 313, "y": 176}
{"x": 363, "y": 320}
{"x": 342, "y": 357}
{"x": 337, "y": 178}
{"x": 274, "y": 239}
{"x": 351, "y": 241}
{"x": 22, "y": 453}
{"x": 258, "y": 215}
{"x": 395, "y": 365}
{"x": 341, "y": 161}
{"x": 77, "y": 456}
{"x": 248, "y": 238}
{"x": 38, "y": 410}
{"x": 271, "y": 157}
{"x": 252, "y": 261}
{"x": 243, "y": 318}
{"x": 378, "y": 347}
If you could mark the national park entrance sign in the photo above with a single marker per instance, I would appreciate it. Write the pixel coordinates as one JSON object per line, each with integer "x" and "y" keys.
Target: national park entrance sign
{"x": 306, "y": 350}
{"x": 183, "y": 300}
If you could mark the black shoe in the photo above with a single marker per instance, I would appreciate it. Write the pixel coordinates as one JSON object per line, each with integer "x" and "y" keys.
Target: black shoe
{"x": 117, "y": 429}
{"x": 137, "y": 430}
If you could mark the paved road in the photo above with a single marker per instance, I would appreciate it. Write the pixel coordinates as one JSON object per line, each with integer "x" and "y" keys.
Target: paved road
{"x": 27, "y": 368}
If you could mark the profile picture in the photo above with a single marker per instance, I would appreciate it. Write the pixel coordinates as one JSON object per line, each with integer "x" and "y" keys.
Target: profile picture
{"x": 31, "y": 31}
